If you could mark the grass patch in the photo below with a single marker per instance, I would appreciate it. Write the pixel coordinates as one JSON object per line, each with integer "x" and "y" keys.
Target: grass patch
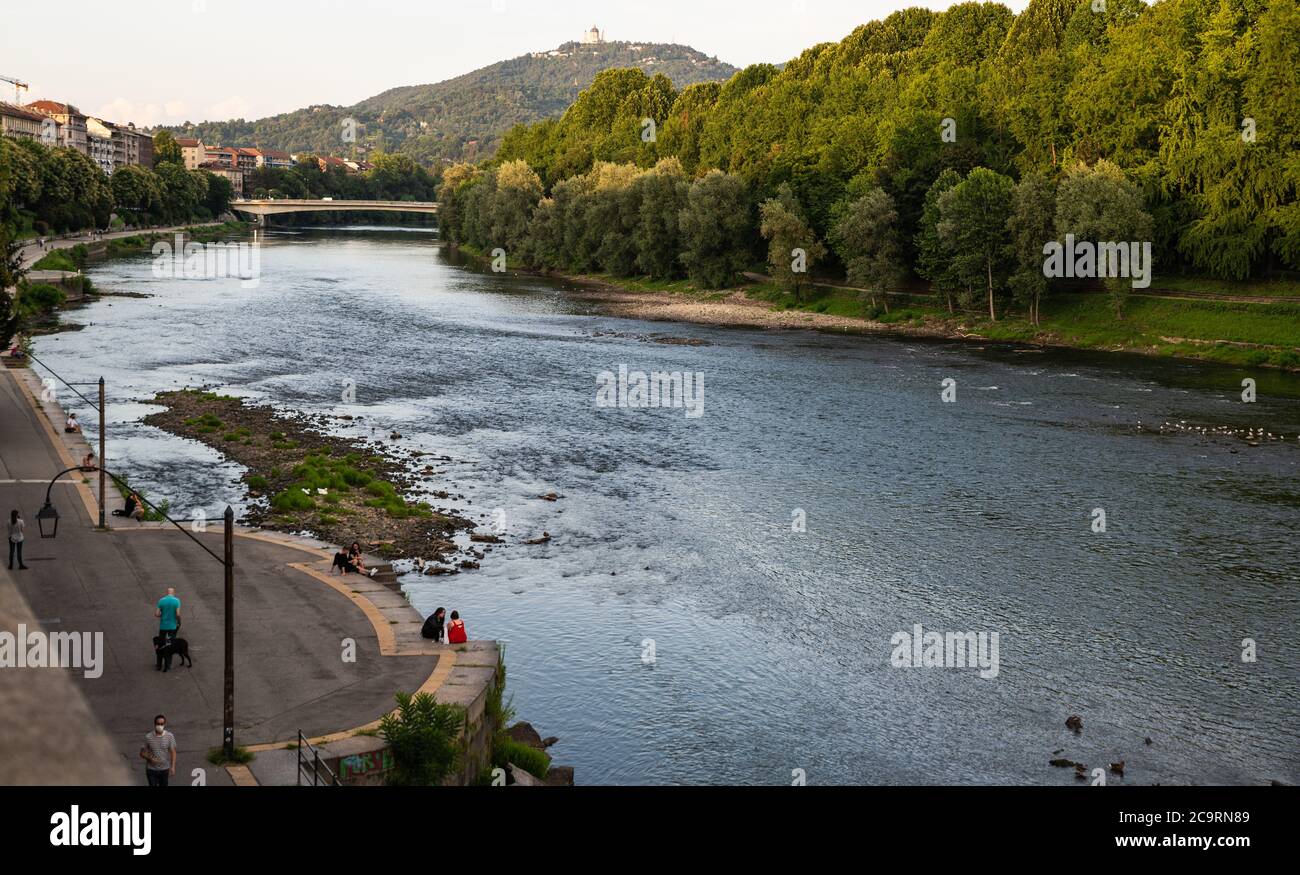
{"x": 242, "y": 757}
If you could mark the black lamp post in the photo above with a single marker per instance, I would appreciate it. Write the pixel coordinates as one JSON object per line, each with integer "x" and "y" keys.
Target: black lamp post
{"x": 49, "y": 515}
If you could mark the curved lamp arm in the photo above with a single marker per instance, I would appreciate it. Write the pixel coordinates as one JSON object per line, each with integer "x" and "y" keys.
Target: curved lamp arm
{"x": 229, "y": 519}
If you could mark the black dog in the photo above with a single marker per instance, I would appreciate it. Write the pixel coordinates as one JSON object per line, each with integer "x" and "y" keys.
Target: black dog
{"x": 165, "y": 648}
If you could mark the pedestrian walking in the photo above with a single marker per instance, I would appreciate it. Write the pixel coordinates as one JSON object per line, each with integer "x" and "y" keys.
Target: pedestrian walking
{"x": 16, "y": 528}
{"x": 159, "y": 753}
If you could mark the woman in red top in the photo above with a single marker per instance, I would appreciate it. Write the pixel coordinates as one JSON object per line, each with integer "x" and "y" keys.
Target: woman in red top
{"x": 456, "y": 629}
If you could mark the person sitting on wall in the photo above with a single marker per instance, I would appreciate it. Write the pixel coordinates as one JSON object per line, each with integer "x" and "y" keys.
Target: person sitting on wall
{"x": 456, "y": 629}
{"x": 88, "y": 463}
{"x": 357, "y": 563}
{"x": 133, "y": 508}
{"x": 72, "y": 426}
{"x": 432, "y": 628}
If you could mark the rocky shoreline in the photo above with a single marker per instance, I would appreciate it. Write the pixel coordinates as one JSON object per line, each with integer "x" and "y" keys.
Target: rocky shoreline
{"x": 306, "y": 480}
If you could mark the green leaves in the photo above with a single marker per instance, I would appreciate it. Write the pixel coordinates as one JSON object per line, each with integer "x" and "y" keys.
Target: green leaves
{"x": 424, "y": 736}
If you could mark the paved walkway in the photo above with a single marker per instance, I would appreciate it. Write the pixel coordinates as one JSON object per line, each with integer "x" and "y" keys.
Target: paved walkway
{"x": 32, "y": 252}
{"x": 293, "y": 620}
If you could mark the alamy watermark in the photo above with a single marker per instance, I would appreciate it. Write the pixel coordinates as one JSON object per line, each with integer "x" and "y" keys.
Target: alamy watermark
{"x": 1102, "y": 260}
{"x": 191, "y": 261}
{"x": 40, "y": 649}
{"x": 921, "y": 649}
{"x": 637, "y": 389}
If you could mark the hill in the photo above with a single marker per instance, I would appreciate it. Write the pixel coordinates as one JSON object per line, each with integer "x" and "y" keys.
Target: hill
{"x": 463, "y": 117}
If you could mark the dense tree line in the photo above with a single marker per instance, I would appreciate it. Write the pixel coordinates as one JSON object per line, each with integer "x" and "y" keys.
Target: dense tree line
{"x": 948, "y": 146}
{"x": 55, "y": 190}
{"x": 393, "y": 178}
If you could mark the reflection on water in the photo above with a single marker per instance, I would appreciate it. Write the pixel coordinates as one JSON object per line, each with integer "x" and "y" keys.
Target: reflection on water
{"x": 771, "y": 647}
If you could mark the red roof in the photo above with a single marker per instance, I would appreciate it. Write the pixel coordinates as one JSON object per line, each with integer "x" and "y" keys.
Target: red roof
{"x": 187, "y": 142}
{"x": 52, "y": 106}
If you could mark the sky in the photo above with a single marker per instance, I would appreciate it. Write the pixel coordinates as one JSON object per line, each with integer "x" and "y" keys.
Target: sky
{"x": 169, "y": 61}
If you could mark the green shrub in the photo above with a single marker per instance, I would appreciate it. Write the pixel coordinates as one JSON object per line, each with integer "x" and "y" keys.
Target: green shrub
{"x": 292, "y": 499}
{"x": 258, "y": 482}
{"x": 424, "y": 736}
{"x": 39, "y": 298}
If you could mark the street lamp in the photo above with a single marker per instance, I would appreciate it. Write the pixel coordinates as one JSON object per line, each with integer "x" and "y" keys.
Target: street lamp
{"x": 49, "y": 514}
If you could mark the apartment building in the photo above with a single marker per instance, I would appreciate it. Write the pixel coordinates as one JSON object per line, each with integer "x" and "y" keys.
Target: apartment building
{"x": 21, "y": 123}
{"x": 193, "y": 152}
{"x": 71, "y": 121}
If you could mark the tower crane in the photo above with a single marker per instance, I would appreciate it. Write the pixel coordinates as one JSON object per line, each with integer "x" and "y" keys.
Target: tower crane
{"x": 17, "y": 84}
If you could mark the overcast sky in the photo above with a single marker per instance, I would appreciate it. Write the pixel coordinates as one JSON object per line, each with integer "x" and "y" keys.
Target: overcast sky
{"x": 168, "y": 61}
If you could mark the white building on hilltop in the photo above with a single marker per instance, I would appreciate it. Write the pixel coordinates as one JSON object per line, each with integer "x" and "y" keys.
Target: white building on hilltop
{"x": 593, "y": 37}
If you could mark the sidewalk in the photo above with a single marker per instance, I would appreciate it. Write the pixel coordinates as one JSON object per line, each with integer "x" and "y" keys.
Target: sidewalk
{"x": 32, "y": 252}
{"x": 292, "y": 620}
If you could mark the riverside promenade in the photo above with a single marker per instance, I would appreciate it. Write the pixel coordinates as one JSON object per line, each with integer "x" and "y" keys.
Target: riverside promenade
{"x": 294, "y": 625}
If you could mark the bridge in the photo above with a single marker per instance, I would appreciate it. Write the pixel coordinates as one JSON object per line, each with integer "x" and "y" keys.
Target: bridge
{"x": 275, "y": 206}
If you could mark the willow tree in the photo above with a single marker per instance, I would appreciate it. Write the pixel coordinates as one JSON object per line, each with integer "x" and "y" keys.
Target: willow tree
{"x": 865, "y": 237}
{"x": 972, "y": 225}
{"x": 792, "y": 245}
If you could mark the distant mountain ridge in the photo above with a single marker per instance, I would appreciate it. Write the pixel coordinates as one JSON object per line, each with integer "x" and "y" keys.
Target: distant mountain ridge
{"x": 461, "y": 118}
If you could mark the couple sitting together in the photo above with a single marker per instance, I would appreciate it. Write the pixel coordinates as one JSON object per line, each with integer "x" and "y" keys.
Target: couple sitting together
{"x": 351, "y": 562}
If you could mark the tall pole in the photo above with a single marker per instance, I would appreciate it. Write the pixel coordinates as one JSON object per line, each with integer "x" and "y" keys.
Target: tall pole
{"x": 102, "y": 460}
{"x": 228, "y": 742}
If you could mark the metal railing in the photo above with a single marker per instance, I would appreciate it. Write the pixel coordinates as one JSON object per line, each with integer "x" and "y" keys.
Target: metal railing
{"x": 310, "y": 766}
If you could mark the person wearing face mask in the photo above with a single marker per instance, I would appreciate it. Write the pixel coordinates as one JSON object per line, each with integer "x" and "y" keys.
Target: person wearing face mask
{"x": 159, "y": 753}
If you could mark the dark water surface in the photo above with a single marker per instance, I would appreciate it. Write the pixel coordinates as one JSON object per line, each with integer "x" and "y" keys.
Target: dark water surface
{"x": 772, "y": 647}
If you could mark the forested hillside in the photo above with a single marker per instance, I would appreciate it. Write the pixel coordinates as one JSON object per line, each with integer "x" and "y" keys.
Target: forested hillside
{"x": 461, "y": 118}
{"x": 1195, "y": 102}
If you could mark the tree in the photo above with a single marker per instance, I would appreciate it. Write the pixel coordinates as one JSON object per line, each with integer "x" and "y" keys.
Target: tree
{"x": 716, "y": 225}
{"x": 865, "y": 237}
{"x": 136, "y": 190}
{"x": 11, "y": 271}
{"x": 792, "y": 246}
{"x": 516, "y": 193}
{"x": 972, "y": 224}
{"x": 934, "y": 260}
{"x": 1030, "y": 226}
{"x": 219, "y": 195}
{"x": 662, "y": 194}
{"x": 424, "y": 737}
{"x": 1100, "y": 204}
{"x": 166, "y": 150}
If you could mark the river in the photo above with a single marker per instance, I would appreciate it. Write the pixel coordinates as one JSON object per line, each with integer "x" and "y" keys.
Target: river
{"x": 678, "y": 629}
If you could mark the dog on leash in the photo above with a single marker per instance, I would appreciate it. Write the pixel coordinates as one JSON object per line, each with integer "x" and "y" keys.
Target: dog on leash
{"x": 165, "y": 648}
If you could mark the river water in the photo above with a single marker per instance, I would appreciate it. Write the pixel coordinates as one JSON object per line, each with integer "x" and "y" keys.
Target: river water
{"x": 678, "y": 628}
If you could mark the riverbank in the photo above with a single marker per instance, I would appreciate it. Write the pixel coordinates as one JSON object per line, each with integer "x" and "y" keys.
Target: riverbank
{"x": 304, "y": 480}
{"x": 1225, "y": 329}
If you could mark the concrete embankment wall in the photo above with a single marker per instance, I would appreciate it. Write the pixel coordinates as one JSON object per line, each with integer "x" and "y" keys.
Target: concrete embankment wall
{"x": 365, "y": 759}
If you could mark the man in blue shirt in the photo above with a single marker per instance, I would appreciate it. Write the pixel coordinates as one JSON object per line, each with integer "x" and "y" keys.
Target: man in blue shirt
{"x": 168, "y": 614}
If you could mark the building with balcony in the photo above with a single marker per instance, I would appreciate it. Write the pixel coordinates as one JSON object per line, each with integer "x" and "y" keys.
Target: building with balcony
{"x": 72, "y": 124}
{"x": 21, "y": 123}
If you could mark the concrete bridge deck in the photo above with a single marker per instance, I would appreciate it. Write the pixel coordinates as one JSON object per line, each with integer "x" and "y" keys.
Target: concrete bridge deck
{"x": 277, "y": 206}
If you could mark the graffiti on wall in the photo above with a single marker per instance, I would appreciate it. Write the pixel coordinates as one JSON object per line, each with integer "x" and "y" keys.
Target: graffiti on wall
{"x": 365, "y": 764}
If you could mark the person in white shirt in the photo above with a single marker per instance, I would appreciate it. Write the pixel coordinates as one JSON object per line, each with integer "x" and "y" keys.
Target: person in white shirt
{"x": 72, "y": 426}
{"x": 16, "y": 527}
